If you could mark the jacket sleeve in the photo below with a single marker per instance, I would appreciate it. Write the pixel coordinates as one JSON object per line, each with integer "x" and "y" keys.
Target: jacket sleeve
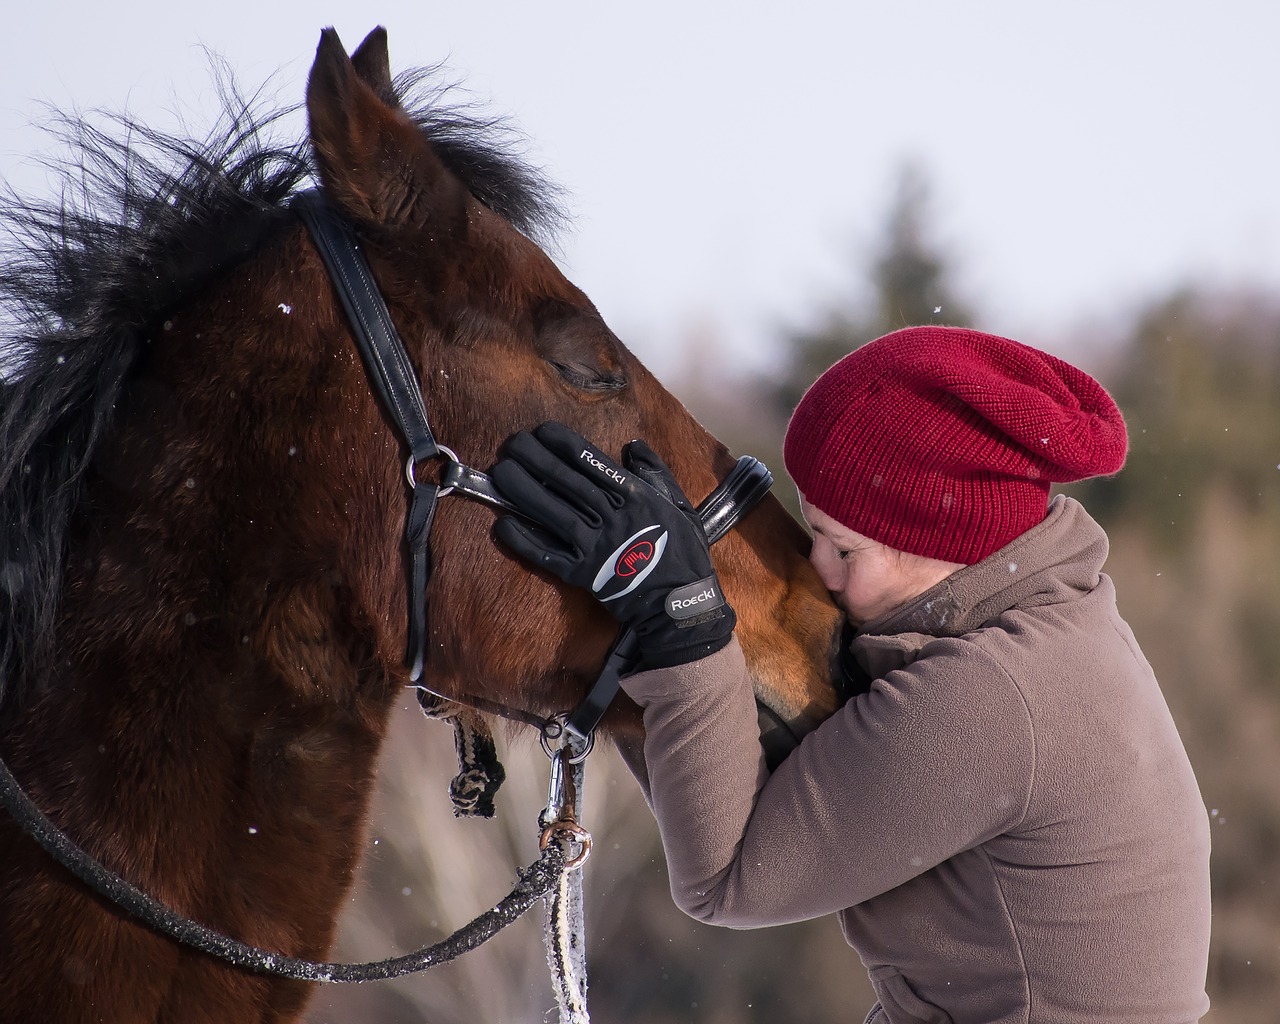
{"x": 935, "y": 759}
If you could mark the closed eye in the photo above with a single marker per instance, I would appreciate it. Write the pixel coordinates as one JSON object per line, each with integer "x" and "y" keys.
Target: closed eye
{"x": 579, "y": 347}
{"x": 589, "y": 378}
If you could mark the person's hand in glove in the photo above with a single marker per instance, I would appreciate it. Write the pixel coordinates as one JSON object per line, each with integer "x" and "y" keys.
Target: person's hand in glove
{"x": 625, "y": 532}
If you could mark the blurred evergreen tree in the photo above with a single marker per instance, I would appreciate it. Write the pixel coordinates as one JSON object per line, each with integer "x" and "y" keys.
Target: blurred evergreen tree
{"x": 910, "y": 280}
{"x": 1199, "y": 383}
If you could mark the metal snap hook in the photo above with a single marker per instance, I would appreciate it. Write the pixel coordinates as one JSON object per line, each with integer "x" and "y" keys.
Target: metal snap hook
{"x": 571, "y": 832}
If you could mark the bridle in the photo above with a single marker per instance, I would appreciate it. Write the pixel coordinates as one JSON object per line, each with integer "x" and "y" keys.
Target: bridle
{"x": 392, "y": 376}
{"x": 391, "y": 372}
{"x": 748, "y": 482}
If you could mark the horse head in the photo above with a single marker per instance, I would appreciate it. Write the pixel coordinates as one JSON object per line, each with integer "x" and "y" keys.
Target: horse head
{"x": 502, "y": 341}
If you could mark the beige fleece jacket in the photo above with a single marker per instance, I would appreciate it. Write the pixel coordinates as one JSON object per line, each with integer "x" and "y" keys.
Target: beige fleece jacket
{"x": 1006, "y": 823}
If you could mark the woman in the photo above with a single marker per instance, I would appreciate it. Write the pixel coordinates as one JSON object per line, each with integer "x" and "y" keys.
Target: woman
{"x": 1005, "y": 820}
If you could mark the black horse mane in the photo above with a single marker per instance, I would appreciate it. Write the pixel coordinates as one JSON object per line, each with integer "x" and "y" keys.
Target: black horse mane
{"x": 143, "y": 220}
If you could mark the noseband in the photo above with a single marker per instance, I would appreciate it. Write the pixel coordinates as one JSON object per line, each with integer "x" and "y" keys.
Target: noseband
{"x": 391, "y": 372}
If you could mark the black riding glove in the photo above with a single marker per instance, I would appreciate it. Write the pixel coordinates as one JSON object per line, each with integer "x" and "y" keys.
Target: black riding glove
{"x": 626, "y": 533}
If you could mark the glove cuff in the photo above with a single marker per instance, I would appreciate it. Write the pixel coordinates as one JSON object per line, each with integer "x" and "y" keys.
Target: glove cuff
{"x": 669, "y": 657}
{"x": 664, "y": 642}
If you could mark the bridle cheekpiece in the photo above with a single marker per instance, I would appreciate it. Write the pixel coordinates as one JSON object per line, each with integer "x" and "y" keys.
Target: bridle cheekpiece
{"x": 391, "y": 373}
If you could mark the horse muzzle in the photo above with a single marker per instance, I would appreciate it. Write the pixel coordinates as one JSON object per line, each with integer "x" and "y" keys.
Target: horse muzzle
{"x": 781, "y": 733}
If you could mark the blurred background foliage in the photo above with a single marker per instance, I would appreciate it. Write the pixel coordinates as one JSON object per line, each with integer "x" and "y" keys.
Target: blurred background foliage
{"x": 1194, "y": 521}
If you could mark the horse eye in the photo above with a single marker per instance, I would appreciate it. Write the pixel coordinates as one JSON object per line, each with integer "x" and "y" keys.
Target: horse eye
{"x": 589, "y": 378}
{"x": 580, "y": 348}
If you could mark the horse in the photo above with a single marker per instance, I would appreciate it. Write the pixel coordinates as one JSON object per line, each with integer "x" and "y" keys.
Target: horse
{"x": 203, "y": 577}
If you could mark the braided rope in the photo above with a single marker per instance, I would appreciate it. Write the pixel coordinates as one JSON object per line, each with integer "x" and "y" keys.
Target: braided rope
{"x": 480, "y": 773}
{"x": 534, "y": 883}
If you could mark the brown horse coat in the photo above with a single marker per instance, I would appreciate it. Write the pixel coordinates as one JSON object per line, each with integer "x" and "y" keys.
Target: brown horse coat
{"x": 203, "y": 601}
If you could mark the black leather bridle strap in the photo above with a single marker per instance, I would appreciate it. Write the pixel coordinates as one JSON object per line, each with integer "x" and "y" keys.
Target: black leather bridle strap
{"x": 396, "y": 383}
{"x": 738, "y": 494}
{"x": 473, "y": 484}
{"x": 384, "y": 353}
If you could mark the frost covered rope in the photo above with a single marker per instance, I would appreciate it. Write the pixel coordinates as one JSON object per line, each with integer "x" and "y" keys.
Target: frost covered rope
{"x": 566, "y": 946}
{"x": 566, "y": 936}
{"x": 535, "y": 881}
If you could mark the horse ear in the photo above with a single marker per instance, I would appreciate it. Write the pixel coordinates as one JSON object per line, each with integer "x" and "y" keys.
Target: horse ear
{"x": 373, "y": 161}
{"x": 373, "y": 66}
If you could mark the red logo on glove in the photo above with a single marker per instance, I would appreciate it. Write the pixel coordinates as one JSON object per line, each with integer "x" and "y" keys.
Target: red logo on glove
{"x": 630, "y": 563}
{"x": 633, "y": 559}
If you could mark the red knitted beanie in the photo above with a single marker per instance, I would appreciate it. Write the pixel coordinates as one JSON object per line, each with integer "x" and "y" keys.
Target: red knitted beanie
{"x": 943, "y": 442}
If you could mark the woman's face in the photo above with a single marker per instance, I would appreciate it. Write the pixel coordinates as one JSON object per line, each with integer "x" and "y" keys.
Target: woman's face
{"x": 866, "y": 578}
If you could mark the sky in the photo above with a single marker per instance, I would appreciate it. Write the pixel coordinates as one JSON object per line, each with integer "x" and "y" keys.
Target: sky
{"x": 727, "y": 166}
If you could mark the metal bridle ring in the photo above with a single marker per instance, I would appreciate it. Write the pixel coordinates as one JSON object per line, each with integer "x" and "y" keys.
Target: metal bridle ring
{"x": 411, "y": 464}
{"x": 553, "y": 729}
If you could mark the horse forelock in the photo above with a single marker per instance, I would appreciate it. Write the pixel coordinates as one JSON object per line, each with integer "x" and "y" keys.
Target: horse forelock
{"x": 140, "y": 222}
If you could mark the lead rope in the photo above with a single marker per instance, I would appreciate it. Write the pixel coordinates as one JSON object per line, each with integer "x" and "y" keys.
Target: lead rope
{"x": 535, "y": 881}
{"x": 565, "y": 931}
{"x": 480, "y": 773}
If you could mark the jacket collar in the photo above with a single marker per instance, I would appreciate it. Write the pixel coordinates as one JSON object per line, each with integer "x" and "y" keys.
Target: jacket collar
{"x": 1057, "y": 559}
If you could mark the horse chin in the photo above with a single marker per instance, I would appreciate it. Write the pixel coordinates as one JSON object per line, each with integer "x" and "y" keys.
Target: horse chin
{"x": 783, "y": 724}
{"x": 780, "y": 735}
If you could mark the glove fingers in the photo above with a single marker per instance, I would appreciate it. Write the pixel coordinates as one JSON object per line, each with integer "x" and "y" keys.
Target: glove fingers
{"x": 559, "y": 473}
{"x": 648, "y": 465}
{"x": 535, "y": 545}
{"x": 589, "y": 461}
{"x": 560, "y": 515}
